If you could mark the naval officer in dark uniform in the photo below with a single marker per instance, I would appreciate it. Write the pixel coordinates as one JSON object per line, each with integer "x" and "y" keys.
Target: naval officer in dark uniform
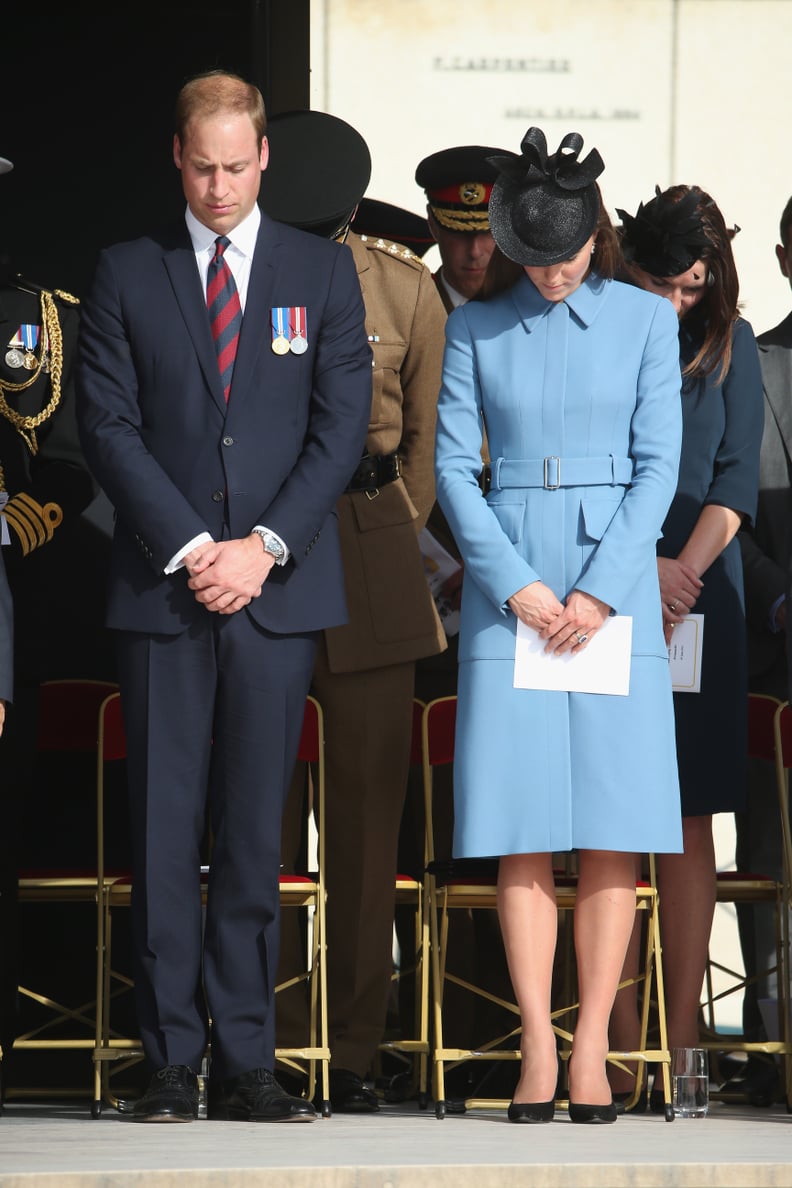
{"x": 44, "y": 487}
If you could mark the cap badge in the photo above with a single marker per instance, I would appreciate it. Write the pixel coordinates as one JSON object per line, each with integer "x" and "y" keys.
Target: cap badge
{"x": 472, "y": 193}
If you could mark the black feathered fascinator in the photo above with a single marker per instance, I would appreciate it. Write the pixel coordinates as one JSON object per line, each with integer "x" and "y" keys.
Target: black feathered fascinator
{"x": 665, "y": 238}
{"x": 544, "y": 208}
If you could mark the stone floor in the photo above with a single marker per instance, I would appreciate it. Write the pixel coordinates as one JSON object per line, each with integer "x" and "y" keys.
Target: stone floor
{"x": 56, "y": 1145}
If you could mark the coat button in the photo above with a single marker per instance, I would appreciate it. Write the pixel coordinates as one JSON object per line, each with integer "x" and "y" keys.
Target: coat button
{"x": 228, "y": 441}
{"x": 217, "y": 496}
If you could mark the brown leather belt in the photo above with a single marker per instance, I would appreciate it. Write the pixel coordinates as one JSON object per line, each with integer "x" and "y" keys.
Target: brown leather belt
{"x": 374, "y": 471}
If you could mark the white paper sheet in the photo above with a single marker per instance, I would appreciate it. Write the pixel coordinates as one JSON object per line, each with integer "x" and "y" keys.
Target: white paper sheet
{"x": 439, "y": 566}
{"x": 684, "y": 654}
{"x": 603, "y": 666}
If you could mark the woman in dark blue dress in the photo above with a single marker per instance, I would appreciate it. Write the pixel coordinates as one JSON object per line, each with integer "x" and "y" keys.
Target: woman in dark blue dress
{"x": 678, "y": 246}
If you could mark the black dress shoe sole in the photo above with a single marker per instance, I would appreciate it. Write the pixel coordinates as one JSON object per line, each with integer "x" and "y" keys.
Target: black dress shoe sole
{"x": 170, "y": 1117}
{"x": 225, "y": 1115}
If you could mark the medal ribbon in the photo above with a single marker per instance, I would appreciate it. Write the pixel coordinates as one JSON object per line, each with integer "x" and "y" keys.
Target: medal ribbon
{"x": 278, "y": 322}
{"x": 26, "y": 336}
{"x": 297, "y": 320}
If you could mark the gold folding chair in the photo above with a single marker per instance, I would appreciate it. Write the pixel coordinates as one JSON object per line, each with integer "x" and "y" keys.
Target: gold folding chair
{"x": 304, "y": 891}
{"x": 754, "y": 889}
{"x": 414, "y": 1049}
{"x": 68, "y": 724}
{"x": 782, "y": 733}
{"x": 308, "y": 891}
{"x": 471, "y": 885}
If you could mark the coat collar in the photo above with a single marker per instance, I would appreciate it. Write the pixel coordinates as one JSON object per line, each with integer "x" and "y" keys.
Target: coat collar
{"x": 584, "y": 303}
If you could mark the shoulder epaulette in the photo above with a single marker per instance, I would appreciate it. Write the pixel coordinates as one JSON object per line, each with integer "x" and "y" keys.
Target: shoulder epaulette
{"x": 69, "y": 298}
{"x": 30, "y": 286}
{"x": 397, "y": 250}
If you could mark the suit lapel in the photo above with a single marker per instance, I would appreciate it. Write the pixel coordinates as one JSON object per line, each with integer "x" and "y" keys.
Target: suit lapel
{"x": 180, "y": 263}
{"x": 256, "y": 333}
{"x": 777, "y": 376}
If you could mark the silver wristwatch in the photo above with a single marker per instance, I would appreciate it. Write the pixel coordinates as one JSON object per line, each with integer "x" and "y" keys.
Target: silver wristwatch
{"x": 271, "y": 545}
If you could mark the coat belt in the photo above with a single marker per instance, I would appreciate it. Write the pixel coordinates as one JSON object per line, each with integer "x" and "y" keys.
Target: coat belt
{"x": 553, "y": 472}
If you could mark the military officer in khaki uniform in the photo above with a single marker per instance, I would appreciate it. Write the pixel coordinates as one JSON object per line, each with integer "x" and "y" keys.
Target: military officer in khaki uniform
{"x": 457, "y": 182}
{"x": 364, "y": 674}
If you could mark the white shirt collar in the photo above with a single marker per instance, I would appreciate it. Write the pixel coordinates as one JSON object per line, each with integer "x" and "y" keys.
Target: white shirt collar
{"x": 243, "y": 237}
{"x": 456, "y": 298}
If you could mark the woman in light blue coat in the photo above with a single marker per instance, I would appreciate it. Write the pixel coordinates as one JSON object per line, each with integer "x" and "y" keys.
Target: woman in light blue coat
{"x": 576, "y": 378}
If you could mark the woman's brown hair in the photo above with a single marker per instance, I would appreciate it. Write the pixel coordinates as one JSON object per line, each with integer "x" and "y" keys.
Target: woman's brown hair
{"x": 718, "y": 308}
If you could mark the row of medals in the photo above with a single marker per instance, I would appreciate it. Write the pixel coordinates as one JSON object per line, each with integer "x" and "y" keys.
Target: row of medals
{"x": 27, "y": 359}
{"x": 281, "y": 345}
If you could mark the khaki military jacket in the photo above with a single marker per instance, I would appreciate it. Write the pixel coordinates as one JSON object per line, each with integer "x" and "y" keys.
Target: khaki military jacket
{"x": 392, "y": 616}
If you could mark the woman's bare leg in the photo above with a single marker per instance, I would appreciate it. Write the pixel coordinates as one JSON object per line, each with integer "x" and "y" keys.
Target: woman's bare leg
{"x": 687, "y": 886}
{"x": 625, "y": 1024}
{"x": 529, "y": 924}
{"x": 604, "y": 918}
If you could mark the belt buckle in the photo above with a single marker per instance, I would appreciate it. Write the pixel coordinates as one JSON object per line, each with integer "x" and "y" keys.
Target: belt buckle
{"x": 547, "y": 485}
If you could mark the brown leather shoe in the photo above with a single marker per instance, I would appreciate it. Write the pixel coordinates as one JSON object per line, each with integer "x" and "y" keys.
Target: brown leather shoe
{"x": 172, "y": 1096}
{"x": 256, "y": 1096}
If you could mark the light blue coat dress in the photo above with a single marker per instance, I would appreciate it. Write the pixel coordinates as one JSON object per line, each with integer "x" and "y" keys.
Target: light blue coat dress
{"x": 595, "y": 382}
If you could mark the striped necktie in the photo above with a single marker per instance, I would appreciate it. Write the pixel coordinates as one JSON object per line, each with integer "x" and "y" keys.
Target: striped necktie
{"x": 225, "y": 312}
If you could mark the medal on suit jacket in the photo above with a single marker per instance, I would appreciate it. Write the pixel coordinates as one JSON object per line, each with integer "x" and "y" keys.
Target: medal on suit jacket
{"x": 22, "y": 346}
{"x": 298, "y": 344}
{"x": 279, "y": 320}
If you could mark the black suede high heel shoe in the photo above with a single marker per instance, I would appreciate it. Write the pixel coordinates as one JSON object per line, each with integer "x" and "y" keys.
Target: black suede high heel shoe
{"x": 592, "y": 1113}
{"x": 532, "y": 1111}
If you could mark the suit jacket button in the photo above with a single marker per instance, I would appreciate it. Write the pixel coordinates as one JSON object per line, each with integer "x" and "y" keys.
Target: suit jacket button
{"x": 217, "y": 496}
{"x": 228, "y": 441}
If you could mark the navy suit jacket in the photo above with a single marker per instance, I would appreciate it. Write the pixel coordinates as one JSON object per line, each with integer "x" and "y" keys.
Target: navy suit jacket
{"x": 175, "y": 460}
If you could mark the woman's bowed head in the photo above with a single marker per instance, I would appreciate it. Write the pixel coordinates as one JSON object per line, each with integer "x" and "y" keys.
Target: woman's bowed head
{"x": 544, "y": 208}
{"x": 678, "y": 246}
{"x": 548, "y": 220}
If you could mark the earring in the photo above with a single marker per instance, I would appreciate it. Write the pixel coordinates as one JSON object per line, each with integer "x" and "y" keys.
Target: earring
{"x": 593, "y": 248}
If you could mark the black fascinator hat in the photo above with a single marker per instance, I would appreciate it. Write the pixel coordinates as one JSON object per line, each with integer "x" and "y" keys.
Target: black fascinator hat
{"x": 544, "y": 208}
{"x": 667, "y": 236}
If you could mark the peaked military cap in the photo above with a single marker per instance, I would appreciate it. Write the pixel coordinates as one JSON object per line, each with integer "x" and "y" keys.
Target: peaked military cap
{"x": 458, "y": 183}
{"x": 383, "y": 220}
{"x": 319, "y": 168}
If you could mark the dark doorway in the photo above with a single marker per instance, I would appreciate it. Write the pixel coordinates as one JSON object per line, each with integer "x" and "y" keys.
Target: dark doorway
{"x": 86, "y": 95}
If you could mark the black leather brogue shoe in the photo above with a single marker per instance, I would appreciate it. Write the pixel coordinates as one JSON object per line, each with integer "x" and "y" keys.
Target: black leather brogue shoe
{"x": 172, "y": 1096}
{"x": 349, "y": 1094}
{"x": 256, "y": 1096}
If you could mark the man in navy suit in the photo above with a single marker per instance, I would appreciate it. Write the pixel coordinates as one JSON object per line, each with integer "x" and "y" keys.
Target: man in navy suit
{"x": 225, "y": 568}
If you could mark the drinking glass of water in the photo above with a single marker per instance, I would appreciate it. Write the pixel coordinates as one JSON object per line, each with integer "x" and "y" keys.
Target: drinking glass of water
{"x": 689, "y": 1082}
